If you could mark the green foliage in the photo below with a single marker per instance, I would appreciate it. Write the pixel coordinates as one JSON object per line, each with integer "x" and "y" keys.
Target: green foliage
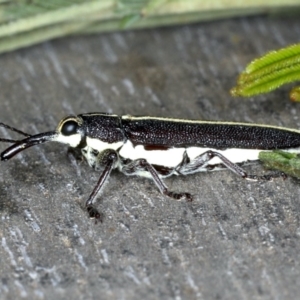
{"x": 287, "y": 162}
{"x": 16, "y": 10}
{"x": 27, "y": 22}
{"x": 270, "y": 72}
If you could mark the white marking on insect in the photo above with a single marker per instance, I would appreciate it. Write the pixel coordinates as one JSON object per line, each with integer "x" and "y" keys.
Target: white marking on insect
{"x": 235, "y": 155}
{"x": 72, "y": 141}
{"x": 168, "y": 158}
{"x": 100, "y": 146}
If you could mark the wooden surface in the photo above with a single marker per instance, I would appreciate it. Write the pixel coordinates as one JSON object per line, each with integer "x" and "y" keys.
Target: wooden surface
{"x": 237, "y": 240}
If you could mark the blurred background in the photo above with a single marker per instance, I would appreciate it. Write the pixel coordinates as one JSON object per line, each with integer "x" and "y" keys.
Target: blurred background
{"x": 236, "y": 240}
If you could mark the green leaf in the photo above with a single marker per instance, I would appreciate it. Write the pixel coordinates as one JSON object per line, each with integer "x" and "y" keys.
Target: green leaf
{"x": 287, "y": 162}
{"x": 22, "y": 22}
{"x": 270, "y": 72}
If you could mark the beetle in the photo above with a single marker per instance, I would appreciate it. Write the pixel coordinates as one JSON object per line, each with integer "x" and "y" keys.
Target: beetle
{"x": 157, "y": 148}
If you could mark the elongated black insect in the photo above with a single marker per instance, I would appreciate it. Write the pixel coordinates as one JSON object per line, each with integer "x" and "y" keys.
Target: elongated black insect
{"x": 159, "y": 147}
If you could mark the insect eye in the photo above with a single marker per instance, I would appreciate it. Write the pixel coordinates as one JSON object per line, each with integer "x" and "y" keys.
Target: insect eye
{"x": 69, "y": 128}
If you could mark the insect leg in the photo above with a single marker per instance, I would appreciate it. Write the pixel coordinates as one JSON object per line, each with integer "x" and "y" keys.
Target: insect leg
{"x": 201, "y": 161}
{"x": 141, "y": 165}
{"x": 107, "y": 159}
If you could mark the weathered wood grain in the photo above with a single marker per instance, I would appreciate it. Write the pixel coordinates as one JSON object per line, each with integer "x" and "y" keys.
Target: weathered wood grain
{"x": 237, "y": 240}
